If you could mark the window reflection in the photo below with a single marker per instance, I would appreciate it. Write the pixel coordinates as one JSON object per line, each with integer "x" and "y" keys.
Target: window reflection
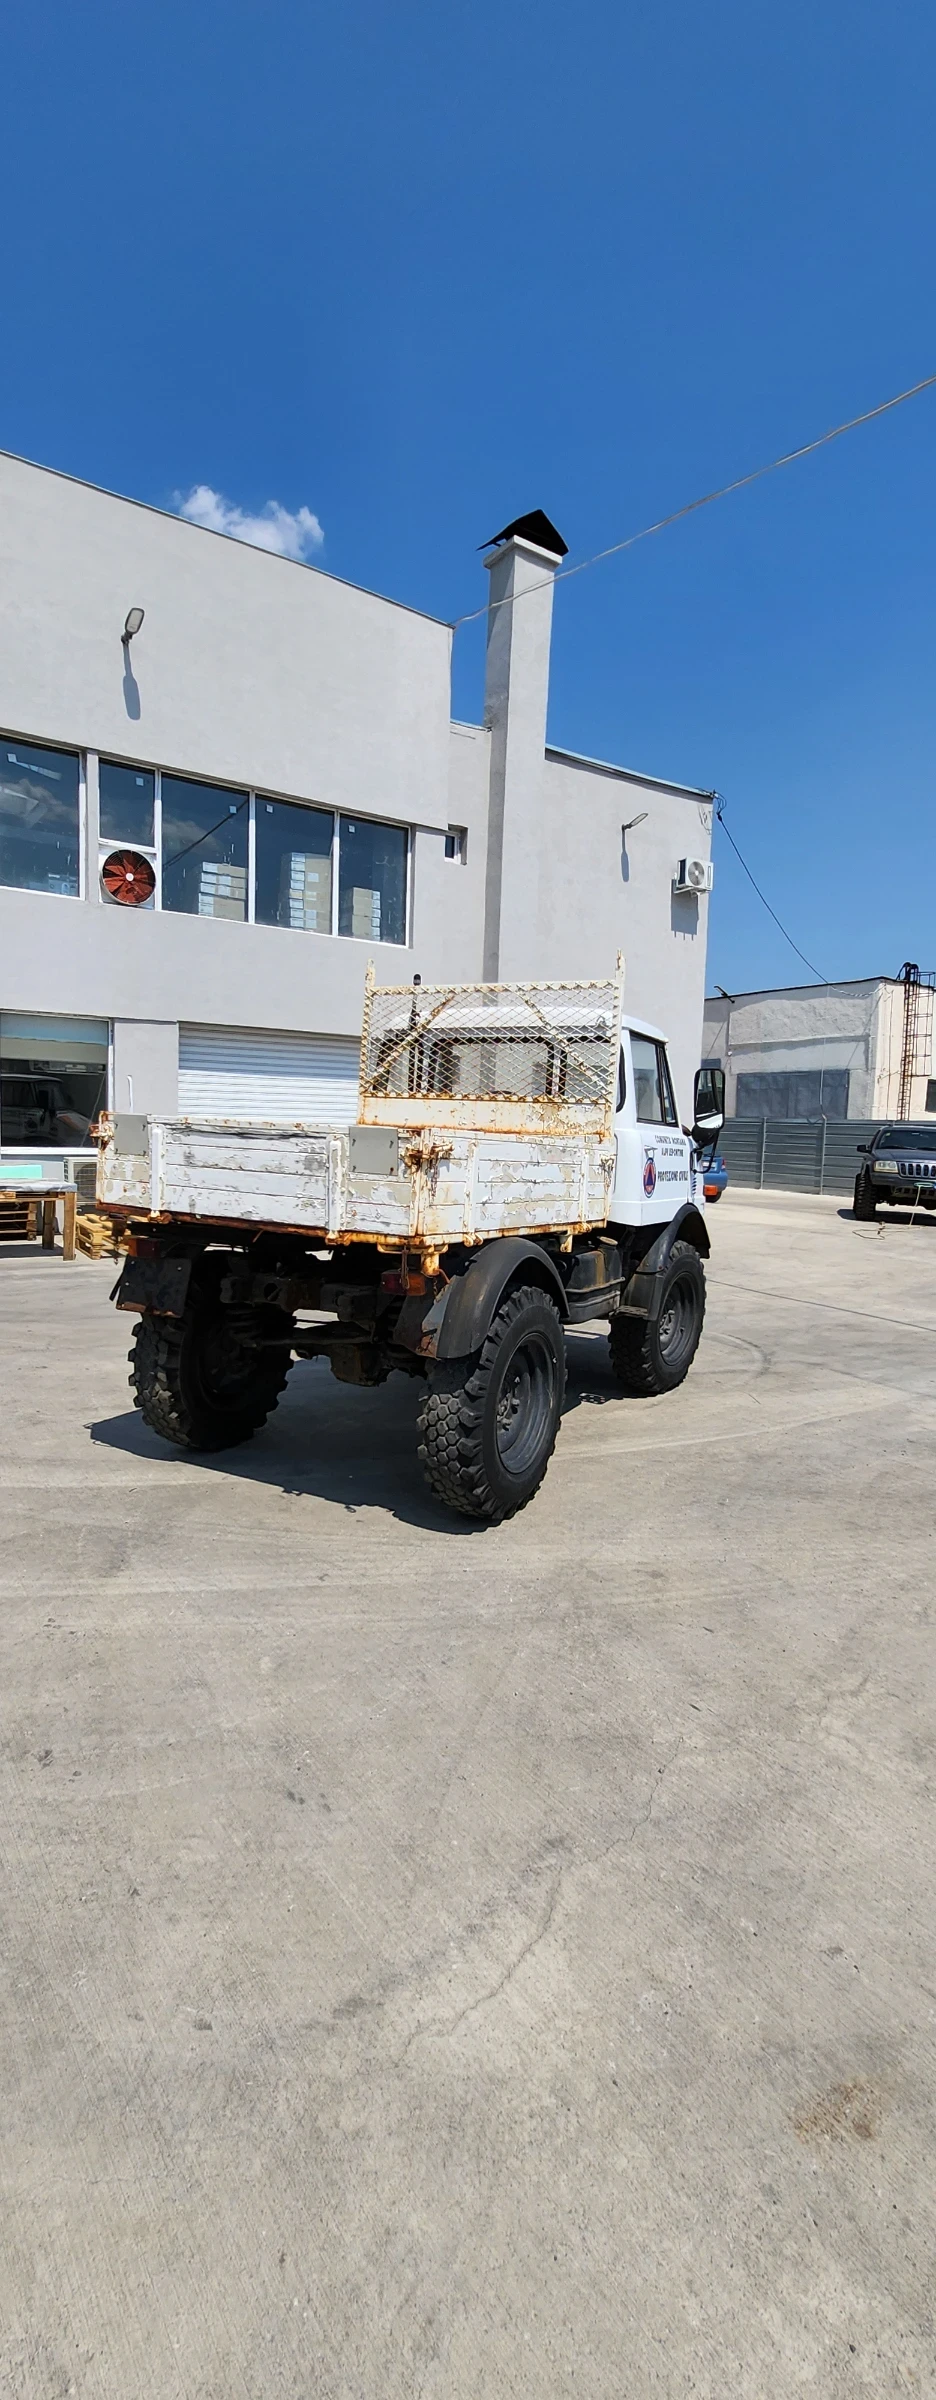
{"x": 38, "y": 818}
{"x": 204, "y": 849}
{"x": 294, "y": 866}
{"x": 53, "y": 1081}
{"x": 127, "y": 796}
{"x": 371, "y": 880}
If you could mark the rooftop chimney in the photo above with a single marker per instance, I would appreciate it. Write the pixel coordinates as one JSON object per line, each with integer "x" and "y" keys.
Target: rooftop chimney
{"x": 521, "y": 563}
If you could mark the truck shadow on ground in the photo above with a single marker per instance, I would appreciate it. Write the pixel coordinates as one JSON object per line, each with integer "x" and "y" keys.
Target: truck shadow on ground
{"x": 353, "y": 1448}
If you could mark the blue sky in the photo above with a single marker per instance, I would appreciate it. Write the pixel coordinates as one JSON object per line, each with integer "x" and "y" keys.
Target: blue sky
{"x": 415, "y": 268}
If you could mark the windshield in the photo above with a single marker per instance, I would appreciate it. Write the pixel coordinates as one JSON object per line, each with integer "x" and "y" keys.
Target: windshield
{"x": 907, "y": 1138}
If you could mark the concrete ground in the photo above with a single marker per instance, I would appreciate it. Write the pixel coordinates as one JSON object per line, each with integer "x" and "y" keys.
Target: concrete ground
{"x": 480, "y": 1965}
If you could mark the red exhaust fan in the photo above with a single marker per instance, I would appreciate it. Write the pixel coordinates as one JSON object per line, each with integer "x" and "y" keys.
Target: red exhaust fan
{"x": 129, "y": 878}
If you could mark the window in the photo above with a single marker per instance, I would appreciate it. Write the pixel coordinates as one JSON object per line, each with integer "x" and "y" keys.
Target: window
{"x": 908, "y": 1138}
{"x": 127, "y": 803}
{"x": 789, "y": 1093}
{"x": 223, "y": 852}
{"x": 53, "y": 1080}
{"x": 931, "y": 1096}
{"x": 456, "y": 841}
{"x": 204, "y": 849}
{"x": 39, "y": 803}
{"x": 371, "y": 880}
{"x": 294, "y": 866}
{"x": 653, "y": 1091}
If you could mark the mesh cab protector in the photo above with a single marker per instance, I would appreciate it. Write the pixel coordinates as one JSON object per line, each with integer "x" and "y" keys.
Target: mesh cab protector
{"x": 520, "y": 1058}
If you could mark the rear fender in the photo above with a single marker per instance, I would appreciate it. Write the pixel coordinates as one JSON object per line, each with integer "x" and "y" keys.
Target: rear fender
{"x": 641, "y": 1296}
{"x": 459, "y": 1319}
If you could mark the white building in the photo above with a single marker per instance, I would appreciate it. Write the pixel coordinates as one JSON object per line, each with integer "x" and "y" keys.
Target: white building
{"x": 270, "y": 756}
{"x": 836, "y": 1050}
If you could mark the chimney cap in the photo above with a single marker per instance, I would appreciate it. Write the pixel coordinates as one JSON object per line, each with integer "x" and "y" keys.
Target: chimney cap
{"x": 535, "y": 527}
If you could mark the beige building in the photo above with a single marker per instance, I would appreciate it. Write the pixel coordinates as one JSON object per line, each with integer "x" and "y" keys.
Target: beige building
{"x": 837, "y": 1050}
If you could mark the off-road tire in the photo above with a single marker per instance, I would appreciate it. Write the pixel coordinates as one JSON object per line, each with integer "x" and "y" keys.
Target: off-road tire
{"x": 179, "y": 1396}
{"x": 864, "y": 1205}
{"x": 488, "y": 1423}
{"x": 650, "y": 1357}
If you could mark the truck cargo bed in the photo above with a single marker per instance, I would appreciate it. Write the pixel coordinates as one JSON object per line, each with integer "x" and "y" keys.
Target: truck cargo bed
{"x": 362, "y": 1182}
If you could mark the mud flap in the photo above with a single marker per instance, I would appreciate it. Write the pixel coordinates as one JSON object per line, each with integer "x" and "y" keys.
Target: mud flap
{"x": 158, "y": 1284}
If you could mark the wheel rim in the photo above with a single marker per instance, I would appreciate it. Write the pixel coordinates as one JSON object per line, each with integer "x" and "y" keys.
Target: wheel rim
{"x": 525, "y": 1405}
{"x": 676, "y": 1326}
{"x": 223, "y": 1370}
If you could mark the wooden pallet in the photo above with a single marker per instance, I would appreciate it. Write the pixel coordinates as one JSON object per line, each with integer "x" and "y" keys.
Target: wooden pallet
{"x": 17, "y": 1220}
{"x": 96, "y": 1235}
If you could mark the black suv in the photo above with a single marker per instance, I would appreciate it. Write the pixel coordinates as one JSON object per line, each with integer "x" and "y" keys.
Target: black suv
{"x": 900, "y": 1167}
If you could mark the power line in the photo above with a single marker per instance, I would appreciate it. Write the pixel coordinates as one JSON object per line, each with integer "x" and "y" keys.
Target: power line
{"x": 807, "y": 962}
{"x": 203, "y": 837}
{"x": 689, "y": 507}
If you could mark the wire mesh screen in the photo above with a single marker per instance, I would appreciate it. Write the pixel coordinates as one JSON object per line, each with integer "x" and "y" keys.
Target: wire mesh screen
{"x": 506, "y": 1053}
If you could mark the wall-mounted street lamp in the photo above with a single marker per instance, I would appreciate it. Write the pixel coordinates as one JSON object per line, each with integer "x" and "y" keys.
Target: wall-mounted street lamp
{"x": 134, "y": 620}
{"x": 625, "y": 830}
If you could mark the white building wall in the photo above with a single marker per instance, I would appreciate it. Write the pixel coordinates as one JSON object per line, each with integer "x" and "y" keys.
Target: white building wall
{"x": 803, "y": 1028}
{"x": 249, "y": 669}
{"x": 252, "y": 672}
{"x": 597, "y": 893}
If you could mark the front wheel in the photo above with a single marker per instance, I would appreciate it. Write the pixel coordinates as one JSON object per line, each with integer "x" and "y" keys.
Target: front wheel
{"x": 488, "y": 1423}
{"x": 654, "y": 1355}
{"x": 864, "y": 1206}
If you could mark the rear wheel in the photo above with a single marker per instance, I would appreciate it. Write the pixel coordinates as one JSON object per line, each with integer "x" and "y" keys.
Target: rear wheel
{"x": 865, "y": 1204}
{"x": 199, "y": 1385}
{"x": 488, "y": 1423}
{"x": 652, "y": 1356}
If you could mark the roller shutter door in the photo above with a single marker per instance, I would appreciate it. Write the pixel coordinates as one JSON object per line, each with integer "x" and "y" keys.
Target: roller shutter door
{"x": 291, "y": 1078}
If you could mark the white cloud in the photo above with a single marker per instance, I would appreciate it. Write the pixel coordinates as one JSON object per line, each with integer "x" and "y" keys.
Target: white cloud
{"x": 291, "y": 534}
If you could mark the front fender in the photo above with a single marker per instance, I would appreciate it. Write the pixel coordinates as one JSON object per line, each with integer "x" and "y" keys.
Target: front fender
{"x": 459, "y": 1319}
{"x": 641, "y": 1296}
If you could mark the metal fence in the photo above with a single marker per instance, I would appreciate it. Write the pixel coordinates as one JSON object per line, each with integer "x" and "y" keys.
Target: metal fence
{"x": 795, "y": 1154}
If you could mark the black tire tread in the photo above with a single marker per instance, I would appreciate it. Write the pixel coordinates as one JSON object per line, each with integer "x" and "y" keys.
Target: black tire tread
{"x": 157, "y": 1386}
{"x": 450, "y": 1417}
{"x": 864, "y": 1205}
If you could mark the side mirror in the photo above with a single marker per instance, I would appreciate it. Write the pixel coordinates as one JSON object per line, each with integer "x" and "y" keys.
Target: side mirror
{"x": 708, "y": 1103}
{"x": 864, "y": 1148}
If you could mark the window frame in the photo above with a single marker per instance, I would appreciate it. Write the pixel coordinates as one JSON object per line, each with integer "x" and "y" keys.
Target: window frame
{"x": 391, "y": 824}
{"x": 668, "y": 1120}
{"x": 61, "y": 750}
{"x": 89, "y": 869}
{"x": 38, "y": 1067}
{"x": 314, "y": 807}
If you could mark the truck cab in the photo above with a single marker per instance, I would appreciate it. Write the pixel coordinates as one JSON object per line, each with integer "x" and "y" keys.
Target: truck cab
{"x": 653, "y": 1156}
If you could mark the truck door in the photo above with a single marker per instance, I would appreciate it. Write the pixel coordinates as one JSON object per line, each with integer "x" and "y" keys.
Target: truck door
{"x": 652, "y": 1173}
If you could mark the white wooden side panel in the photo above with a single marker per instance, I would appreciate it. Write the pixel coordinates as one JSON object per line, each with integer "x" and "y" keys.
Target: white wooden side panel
{"x": 467, "y": 1186}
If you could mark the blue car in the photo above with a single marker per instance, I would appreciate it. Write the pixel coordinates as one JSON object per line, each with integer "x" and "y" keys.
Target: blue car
{"x": 714, "y": 1175}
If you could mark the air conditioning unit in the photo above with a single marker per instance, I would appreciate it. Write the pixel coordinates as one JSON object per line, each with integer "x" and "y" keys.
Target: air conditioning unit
{"x": 694, "y": 875}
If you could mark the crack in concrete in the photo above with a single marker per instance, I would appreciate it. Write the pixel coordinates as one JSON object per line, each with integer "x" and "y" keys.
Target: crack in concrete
{"x": 439, "y": 2027}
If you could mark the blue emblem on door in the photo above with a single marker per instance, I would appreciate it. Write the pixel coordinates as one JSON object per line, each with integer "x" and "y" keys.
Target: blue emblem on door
{"x": 649, "y": 1175}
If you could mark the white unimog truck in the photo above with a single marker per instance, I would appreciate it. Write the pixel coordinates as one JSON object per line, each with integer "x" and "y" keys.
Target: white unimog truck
{"x": 517, "y": 1167}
